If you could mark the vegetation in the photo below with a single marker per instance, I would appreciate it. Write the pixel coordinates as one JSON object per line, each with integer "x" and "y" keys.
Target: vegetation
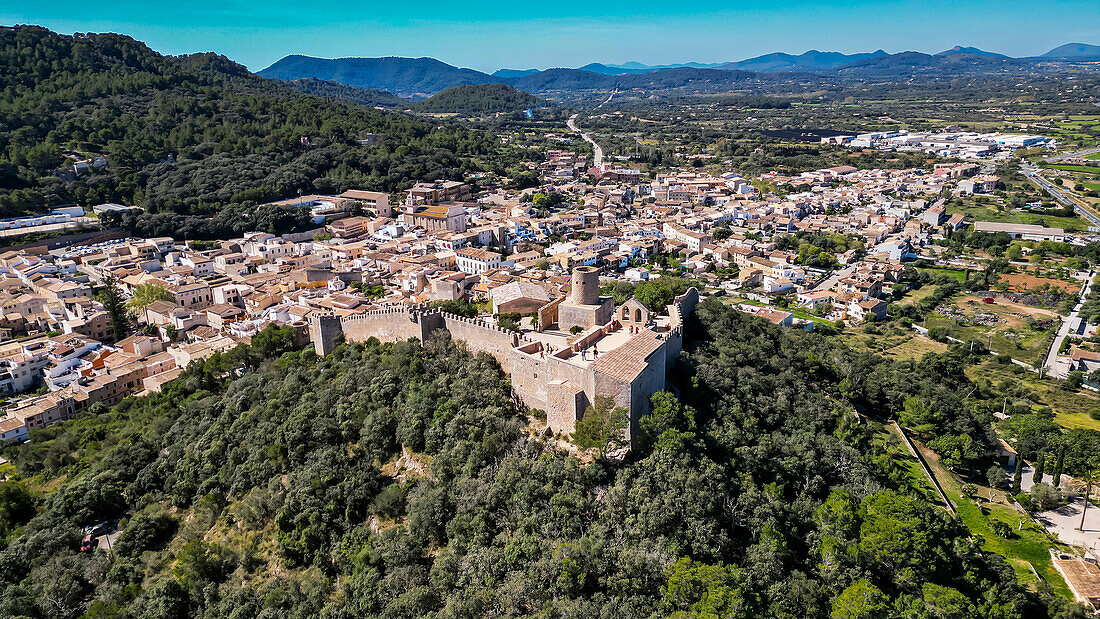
{"x": 396, "y": 480}
{"x": 194, "y": 136}
{"x": 478, "y": 99}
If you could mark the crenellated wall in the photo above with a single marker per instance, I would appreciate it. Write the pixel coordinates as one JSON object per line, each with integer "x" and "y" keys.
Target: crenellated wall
{"x": 481, "y": 336}
{"x": 549, "y": 382}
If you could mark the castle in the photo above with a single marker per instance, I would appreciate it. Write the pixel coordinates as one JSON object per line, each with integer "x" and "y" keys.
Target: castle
{"x": 622, "y": 352}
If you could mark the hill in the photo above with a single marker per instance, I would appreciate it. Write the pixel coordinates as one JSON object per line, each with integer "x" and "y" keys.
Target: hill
{"x": 408, "y": 77}
{"x": 1074, "y": 50}
{"x": 195, "y": 140}
{"x": 953, "y": 63}
{"x": 399, "y": 480}
{"x": 812, "y": 60}
{"x": 505, "y": 73}
{"x": 959, "y": 49}
{"x": 481, "y": 99}
{"x": 369, "y": 97}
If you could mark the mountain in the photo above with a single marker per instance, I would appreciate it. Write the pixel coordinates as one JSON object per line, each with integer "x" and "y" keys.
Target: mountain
{"x": 479, "y": 99}
{"x": 910, "y": 63}
{"x": 604, "y": 69}
{"x": 408, "y": 77}
{"x": 506, "y": 73}
{"x": 959, "y": 49}
{"x": 369, "y": 97}
{"x": 1074, "y": 50}
{"x": 812, "y": 60}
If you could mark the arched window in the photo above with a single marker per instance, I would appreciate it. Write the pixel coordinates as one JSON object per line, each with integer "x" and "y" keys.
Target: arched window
{"x": 637, "y": 315}
{"x": 626, "y": 313}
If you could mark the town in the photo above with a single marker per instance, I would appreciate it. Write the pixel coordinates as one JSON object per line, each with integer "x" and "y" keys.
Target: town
{"x": 536, "y": 270}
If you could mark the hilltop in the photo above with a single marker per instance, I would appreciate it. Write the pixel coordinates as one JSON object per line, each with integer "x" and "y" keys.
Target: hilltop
{"x": 407, "y": 77}
{"x": 479, "y": 99}
{"x": 195, "y": 140}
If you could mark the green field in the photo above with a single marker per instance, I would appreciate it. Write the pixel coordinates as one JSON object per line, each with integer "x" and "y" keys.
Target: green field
{"x": 977, "y": 212}
{"x": 1073, "y": 168}
{"x": 1026, "y": 345}
{"x": 1071, "y": 408}
{"x": 956, "y": 273}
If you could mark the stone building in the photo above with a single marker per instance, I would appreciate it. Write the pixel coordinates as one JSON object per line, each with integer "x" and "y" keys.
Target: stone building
{"x": 584, "y": 307}
{"x": 627, "y": 360}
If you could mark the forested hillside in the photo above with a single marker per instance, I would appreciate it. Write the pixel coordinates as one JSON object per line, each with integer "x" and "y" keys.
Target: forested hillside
{"x": 362, "y": 96}
{"x": 482, "y": 99}
{"x": 192, "y": 135}
{"x": 398, "y": 480}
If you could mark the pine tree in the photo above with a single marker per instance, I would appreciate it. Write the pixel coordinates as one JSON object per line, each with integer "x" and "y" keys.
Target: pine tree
{"x": 1040, "y": 468}
{"x": 1057, "y": 472}
{"x": 1018, "y": 475}
{"x": 113, "y": 301}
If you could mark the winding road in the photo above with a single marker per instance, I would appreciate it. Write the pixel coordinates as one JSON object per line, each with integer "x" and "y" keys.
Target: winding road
{"x": 597, "y": 157}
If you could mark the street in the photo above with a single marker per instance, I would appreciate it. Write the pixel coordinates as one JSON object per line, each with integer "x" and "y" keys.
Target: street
{"x": 1055, "y": 366}
{"x": 597, "y": 157}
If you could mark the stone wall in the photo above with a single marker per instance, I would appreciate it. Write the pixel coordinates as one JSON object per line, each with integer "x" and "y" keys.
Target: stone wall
{"x": 387, "y": 325}
{"x": 548, "y": 314}
{"x": 480, "y": 336}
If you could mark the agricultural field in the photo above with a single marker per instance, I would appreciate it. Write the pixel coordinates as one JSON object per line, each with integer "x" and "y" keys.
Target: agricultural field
{"x": 891, "y": 341}
{"x": 1019, "y": 331}
{"x": 1072, "y": 409}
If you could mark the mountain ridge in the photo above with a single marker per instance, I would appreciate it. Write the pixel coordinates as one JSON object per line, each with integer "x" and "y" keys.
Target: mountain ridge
{"x": 419, "y": 78}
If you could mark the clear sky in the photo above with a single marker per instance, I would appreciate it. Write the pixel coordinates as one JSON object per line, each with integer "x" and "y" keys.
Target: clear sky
{"x": 567, "y": 33}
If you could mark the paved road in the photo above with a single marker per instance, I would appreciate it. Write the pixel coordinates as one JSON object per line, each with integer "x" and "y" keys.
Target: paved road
{"x": 834, "y": 277}
{"x": 1080, "y": 153}
{"x": 1059, "y": 194}
{"x": 597, "y": 157}
{"x": 1054, "y": 365}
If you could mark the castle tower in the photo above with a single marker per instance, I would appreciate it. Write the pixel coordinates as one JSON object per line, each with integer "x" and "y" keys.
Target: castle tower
{"x": 586, "y": 286}
{"x": 584, "y": 307}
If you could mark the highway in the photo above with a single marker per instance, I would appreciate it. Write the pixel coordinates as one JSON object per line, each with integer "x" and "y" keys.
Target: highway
{"x": 597, "y": 157}
{"x": 1080, "y": 153}
{"x": 1032, "y": 173}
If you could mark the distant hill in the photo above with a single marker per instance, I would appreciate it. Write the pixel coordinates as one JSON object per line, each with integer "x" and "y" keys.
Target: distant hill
{"x": 1074, "y": 50}
{"x": 909, "y": 63}
{"x": 506, "y": 73}
{"x": 335, "y": 90}
{"x": 604, "y": 69}
{"x": 479, "y": 99}
{"x": 409, "y": 77}
{"x": 959, "y": 49}
{"x": 420, "y": 78}
{"x": 812, "y": 60}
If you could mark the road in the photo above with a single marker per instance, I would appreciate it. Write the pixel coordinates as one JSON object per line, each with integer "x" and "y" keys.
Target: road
{"x": 1080, "y": 153}
{"x": 597, "y": 157}
{"x": 1059, "y": 195}
{"x": 833, "y": 278}
{"x": 1055, "y": 366}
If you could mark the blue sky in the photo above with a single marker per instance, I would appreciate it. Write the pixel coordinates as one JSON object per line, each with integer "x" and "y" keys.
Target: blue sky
{"x": 490, "y": 35}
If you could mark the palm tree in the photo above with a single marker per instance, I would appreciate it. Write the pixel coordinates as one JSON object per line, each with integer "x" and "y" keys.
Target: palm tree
{"x": 1090, "y": 476}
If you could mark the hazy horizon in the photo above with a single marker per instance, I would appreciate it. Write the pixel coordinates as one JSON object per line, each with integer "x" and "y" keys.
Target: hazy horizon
{"x": 488, "y": 37}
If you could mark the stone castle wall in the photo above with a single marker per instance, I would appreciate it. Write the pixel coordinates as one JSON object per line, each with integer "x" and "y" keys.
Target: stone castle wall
{"x": 481, "y": 336}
